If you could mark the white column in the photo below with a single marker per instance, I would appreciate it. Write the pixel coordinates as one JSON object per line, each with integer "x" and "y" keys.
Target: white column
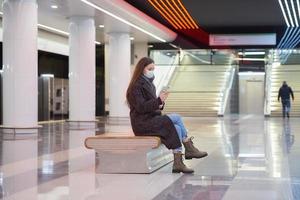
{"x": 119, "y": 69}
{"x": 82, "y": 81}
{"x": 20, "y": 63}
{"x": 140, "y": 50}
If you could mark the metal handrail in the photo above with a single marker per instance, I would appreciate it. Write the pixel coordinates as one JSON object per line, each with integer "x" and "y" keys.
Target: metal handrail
{"x": 226, "y": 91}
{"x": 268, "y": 91}
{"x": 164, "y": 81}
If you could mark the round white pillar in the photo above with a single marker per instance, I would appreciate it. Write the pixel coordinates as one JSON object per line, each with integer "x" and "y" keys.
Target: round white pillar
{"x": 119, "y": 73}
{"x": 20, "y": 63}
{"x": 82, "y": 81}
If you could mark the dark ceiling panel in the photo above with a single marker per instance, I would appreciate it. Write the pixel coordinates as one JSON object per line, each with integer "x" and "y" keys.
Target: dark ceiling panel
{"x": 224, "y": 17}
{"x": 235, "y": 13}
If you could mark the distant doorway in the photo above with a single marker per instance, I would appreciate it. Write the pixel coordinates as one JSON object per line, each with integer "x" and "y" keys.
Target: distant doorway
{"x": 255, "y": 97}
{"x": 251, "y": 93}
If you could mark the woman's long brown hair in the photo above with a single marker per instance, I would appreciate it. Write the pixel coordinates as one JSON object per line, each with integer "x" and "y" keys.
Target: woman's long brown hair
{"x": 138, "y": 71}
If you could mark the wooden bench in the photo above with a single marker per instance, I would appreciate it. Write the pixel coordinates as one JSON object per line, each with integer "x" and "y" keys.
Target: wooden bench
{"x": 124, "y": 153}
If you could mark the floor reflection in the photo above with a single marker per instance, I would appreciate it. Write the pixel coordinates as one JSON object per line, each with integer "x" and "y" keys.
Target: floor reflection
{"x": 250, "y": 158}
{"x": 196, "y": 187}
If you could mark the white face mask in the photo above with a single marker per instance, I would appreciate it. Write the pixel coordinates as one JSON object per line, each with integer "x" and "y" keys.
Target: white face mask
{"x": 149, "y": 74}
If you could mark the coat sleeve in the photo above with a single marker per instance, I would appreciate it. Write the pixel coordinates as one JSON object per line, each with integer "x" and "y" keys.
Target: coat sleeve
{"x": 292, "y": 93}
{"x": 279, "y": 94}
{"x": 141, "y": 104}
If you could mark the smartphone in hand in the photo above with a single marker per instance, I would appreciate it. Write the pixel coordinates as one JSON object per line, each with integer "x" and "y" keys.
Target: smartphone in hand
{"x": 165, "y": 89}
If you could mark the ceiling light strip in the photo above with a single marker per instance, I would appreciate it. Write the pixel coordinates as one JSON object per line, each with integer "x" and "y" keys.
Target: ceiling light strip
{"x": 55, "y": 30}
{"x": 298, "y": 6}
{"x": 250, "y": 59}
{"x": 187, "y": 13}
{"x": 185, "y": 18}
{"x": 284, "y": 14}
{"x": 178, "y": 15}
{"x": 294, "y": 13}
{"x": 171, "y": 13}
{"x": 289, "y": 12}
{"x": 165, "y": 15}
{"x": 122, "y": 20}
{"x": 249, "y": 53}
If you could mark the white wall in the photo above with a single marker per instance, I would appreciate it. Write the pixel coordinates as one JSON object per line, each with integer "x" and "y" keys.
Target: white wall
{"x": 251, "y": 92}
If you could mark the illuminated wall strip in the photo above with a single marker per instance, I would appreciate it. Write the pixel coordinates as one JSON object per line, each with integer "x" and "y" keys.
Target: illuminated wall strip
{"x": 293, "y": 39}
{"x": 187, "y": 13}
{"x": 284, "y": 14}
{"x": 286, "y": 33}
{"x": 122, "y": 20}
{"x": 290, "y": 35}
{"x": 165, "y": 15}
{"x": 178, "y": 15}
{"x": 186, "y": 19}
{"x": 174, "y": 17}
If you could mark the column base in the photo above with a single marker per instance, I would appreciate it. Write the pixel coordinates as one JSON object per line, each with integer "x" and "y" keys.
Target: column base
{"x": 118, "y": 120}
{"x": 82, "y": 125}
{"x": 20, "y": 130}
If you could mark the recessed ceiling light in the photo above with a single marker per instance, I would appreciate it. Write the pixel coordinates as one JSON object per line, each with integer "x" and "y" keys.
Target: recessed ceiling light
{"x": 54, "y": 6}
{"x": 131, "y": 38}
{"x": 101, "y": 26}
{"x": 122, "y": 20}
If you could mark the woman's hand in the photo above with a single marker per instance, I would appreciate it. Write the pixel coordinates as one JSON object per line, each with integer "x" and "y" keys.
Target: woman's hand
{"x": 163, "y": 96}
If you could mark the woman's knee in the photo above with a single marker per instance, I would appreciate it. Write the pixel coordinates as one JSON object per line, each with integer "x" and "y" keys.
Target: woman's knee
{"x": 178, "y": 130}
{"x": 176, "y": 116}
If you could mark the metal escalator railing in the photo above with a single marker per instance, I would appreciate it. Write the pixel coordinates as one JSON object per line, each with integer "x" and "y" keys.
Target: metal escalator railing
{"x": 226, "y": 91}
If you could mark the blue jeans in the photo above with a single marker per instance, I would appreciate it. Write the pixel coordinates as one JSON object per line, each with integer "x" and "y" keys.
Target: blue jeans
{"x": 180, "y": 128}
{"x": 286, "y": 106}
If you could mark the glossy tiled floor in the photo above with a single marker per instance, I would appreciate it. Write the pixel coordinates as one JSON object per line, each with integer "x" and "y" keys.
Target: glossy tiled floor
{"x": 250, "y": 158}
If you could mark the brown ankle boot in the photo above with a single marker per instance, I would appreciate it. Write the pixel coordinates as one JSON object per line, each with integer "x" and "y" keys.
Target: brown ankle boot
{"x": 191, "y": 151}
{"x": 179, "y": 166}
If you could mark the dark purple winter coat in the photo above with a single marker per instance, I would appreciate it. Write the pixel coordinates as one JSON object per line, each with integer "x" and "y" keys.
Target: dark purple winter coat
{"x": 145, "y": 115}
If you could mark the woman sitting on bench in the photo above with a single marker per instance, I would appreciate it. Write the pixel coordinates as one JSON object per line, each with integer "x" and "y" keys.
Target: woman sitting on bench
{"x": 147, "y": 119}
